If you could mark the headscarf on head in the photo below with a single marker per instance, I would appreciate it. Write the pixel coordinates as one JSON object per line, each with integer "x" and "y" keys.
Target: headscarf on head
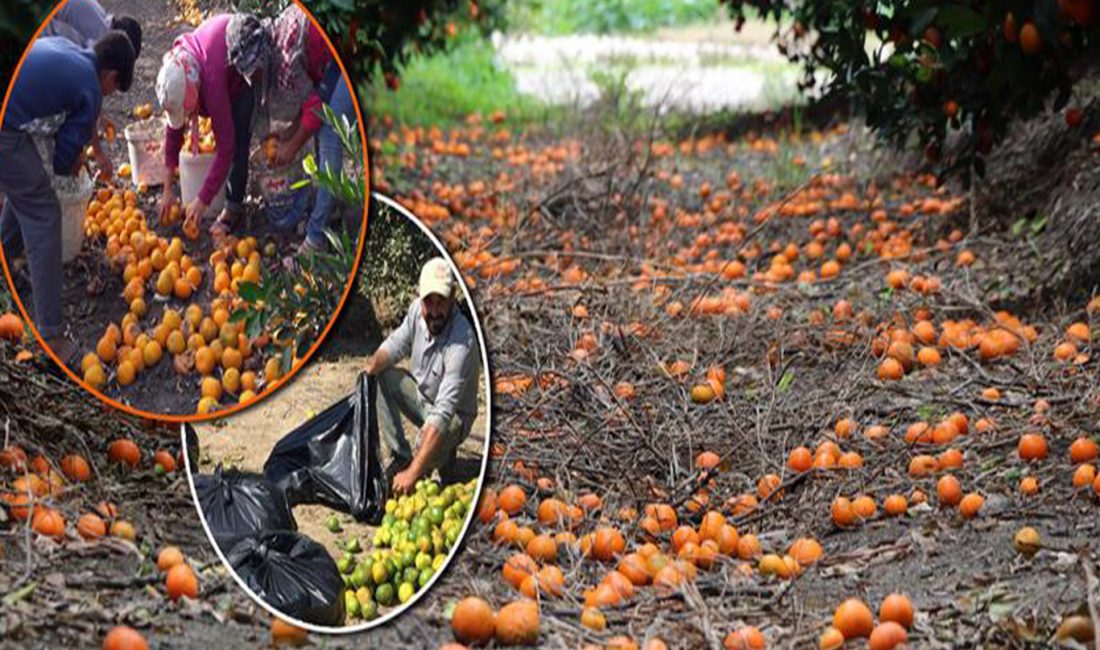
{"x": 291, "y": 76}
{"x": 250, "y": 45}
{"x": 178, "y": 89}
{"x": 250, "y": 49}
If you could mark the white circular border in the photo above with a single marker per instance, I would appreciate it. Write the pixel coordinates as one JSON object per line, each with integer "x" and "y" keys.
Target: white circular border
{"x": 470, "y": 515}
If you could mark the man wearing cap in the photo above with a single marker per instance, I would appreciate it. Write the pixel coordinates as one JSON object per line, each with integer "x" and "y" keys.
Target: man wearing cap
{"x": 438, "y": 392}
{"x": 58, "y": 93}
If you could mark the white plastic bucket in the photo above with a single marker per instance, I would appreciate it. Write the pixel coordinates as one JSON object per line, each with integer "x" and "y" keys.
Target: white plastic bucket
{"x": 193, "y": 170}
{"x": 145, "y": 141}
{"x": 73, "y": 194}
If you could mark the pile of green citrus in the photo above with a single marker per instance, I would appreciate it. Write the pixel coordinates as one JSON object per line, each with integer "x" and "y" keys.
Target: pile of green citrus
{"x": 411, "y": 544}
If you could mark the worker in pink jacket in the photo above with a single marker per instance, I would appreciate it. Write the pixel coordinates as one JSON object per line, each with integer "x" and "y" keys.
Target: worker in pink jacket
{"x": 215, "y": 71}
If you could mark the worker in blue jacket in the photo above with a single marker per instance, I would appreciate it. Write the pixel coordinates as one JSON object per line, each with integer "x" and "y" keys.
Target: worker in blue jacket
{"x": 84, "y": 22}
{"x": 58, "y": 93}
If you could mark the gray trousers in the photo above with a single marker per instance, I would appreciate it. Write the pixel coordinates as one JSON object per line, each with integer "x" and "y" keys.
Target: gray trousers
{"x": 31, "y": 209}
{"x": 398, "y": 395}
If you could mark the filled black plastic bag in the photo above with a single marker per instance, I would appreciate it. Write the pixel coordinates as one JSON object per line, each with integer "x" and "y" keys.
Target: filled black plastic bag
{"x": 293, "y": 574}
{"x": 333, "y": 459}
{"x": 238, "y": 504}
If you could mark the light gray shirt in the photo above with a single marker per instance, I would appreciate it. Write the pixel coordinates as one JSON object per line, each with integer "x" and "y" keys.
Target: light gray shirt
{"x": 445, "y": 368}
{"x": 81, "y": 21}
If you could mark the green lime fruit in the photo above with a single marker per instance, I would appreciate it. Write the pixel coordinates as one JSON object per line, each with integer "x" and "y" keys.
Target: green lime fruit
{"x": 359, "y": 576}
{"x": 405, "y": 592}
{"x": 344, "y": 564}
{"x": 379, "y": 573}
{"x": 351, "y": 604}
{"x": 368, "y": 610}
{"x": 384, "y": 594}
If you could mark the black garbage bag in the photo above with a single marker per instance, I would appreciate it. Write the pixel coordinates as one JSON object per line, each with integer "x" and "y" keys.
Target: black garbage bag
{"x": 333, "y": 459}
{"x": 239, "y": 504}
{"x": 293, "y": 574}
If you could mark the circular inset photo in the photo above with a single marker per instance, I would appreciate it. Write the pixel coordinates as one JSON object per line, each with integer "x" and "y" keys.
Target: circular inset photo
{"x": 337, "y": 502}
{"x": 183, "y": 199}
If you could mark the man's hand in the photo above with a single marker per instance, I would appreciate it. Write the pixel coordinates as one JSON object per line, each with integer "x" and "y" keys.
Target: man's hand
{"x": 106, "y": 168}
{"x": 79, "y": 164}
{"x": 289, "y": 132}
{"x": 377, "y": 362}
{"x": 405, "y": 481}
{"x": 167, "y": 200}
{"x": 196, "y": 210}
{"x": 285, "y": 150}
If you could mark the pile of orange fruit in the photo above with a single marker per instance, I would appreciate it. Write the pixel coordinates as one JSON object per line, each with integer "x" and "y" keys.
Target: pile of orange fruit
{"x": 194, "y": 337}
{"x": 205, "y": 137}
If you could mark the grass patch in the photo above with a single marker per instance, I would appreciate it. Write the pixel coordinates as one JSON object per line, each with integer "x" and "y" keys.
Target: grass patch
{"x": 443, "y": 89}
{"x": 558, "y": 17}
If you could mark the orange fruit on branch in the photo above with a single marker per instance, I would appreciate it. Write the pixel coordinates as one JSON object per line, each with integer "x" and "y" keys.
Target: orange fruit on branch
{"x": 1030, "y": 40}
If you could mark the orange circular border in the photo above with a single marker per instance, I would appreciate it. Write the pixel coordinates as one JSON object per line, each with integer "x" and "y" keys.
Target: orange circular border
{"x": 279, "y": 383}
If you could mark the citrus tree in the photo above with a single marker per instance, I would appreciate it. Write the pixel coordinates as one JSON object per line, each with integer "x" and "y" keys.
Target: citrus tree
{"x": 927, "y": 68}
{"x": 393, "y": 254}
{"x": 18, "y": 20}
{"x": 378, "y": 36}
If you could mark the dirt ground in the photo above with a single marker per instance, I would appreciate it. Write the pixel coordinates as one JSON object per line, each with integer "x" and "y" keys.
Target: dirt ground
{"x": 637, "y": 230}
{"x": 92, "y": 292}
{"x": 70, "y": 592}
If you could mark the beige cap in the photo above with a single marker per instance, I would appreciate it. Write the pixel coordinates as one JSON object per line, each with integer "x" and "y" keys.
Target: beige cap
{"x": 436, "y": 277}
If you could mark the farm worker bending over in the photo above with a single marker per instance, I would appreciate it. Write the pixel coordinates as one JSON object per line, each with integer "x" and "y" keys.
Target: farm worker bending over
{"x": 307, "y": 76}
{"x": 213, "y": 72}
{"x": 58, "y": 92}
{"x": 84, "y": 22}
{"x": 439, "y": 391}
